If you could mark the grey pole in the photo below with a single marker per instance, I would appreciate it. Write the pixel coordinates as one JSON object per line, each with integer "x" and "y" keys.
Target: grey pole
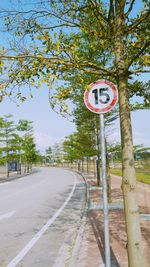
{"x": 105, "y": 200}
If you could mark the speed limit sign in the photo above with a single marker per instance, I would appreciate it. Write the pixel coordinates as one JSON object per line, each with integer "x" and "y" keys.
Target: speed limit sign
{"x": 101, "y": 97}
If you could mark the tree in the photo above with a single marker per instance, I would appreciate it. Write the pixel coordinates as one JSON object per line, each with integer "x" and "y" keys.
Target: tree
{"x": 28, "y": 147}
{"x": 57, "y": 152}
{"x": 49, "y": 154}
{"x": 2, "y": 136}
{"x": 17, "y": 143}
{"x": 80, "y": 145}
{"x": 120, "y": 41}
{"x": 29, "y": 155}
{"x": 16, "y": 146}
{"x": 7, "y": 130}
{"x": 25, "y": 130}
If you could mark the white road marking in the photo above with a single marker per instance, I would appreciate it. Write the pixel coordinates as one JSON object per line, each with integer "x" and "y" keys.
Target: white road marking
{"x": 32, "y": 242}
{"x": 7, "y": 215}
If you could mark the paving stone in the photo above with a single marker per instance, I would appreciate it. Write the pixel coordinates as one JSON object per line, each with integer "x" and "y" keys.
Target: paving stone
{"x": 92, "y": 246}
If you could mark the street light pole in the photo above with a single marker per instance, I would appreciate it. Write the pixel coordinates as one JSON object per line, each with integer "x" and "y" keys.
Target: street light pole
{"x": 105, "y": 199}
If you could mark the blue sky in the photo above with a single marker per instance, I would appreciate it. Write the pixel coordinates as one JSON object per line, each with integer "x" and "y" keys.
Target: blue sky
{"x": 50, "y": 127}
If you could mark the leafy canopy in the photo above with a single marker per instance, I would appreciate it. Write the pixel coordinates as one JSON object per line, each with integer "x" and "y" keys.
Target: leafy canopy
{"x": 57, "y": 39}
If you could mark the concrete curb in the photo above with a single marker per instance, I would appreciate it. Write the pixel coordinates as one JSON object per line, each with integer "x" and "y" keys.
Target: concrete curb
{"x": 9, "y": 179}
{"x": 77, "y": 244}
{"x": 68, "y": 253}
{"x": 81, "y": 229}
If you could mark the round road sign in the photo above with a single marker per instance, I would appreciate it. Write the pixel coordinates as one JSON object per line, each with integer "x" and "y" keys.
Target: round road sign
{"x": 101, "y": 96}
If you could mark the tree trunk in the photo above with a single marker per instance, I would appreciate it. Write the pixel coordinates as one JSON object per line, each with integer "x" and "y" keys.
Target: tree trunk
{"x": 108, "y": 176}
{"x": 135, "y": 250}
{"x": 82, "y": 161}
{"x": 134, "y": 241}
{"x": 7, "y": 153}
{"x": 87, "y": 164}
{"x": 7, "y": 167}
{"x": 79, "y": 167}
{"x": 28, "y": 168}
{"x": 25, "y": 167}
{"x": 98, "y": 172}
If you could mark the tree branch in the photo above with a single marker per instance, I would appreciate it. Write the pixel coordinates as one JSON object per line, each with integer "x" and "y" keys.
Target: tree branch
{"x": 94, "y": 72}
{"x": 138, "y": 21}
{"x": 34, "y": 13}
{"x": 130, "y": 8}
{"x": 94, "y": 3}
{"x": 87, "y": 66}
{"x": 139, "y": 71}
{"x": 140, "y": 52}
{"x": 111, "y": 11}
{"x": 95, "y": 67}
{"x": 58, "y": 26}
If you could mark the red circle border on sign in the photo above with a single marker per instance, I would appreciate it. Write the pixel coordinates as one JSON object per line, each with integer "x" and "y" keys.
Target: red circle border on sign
{"x": 111, "y": 105}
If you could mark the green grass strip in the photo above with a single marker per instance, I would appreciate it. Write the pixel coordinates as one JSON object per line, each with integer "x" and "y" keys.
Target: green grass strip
{"x": 141, "y": 176}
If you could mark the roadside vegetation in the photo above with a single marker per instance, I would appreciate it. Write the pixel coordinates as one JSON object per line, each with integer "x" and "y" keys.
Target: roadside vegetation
{"x": 17, "y": 146}
{"x": 79, "y": 151}
{"x": 142, "y": 176}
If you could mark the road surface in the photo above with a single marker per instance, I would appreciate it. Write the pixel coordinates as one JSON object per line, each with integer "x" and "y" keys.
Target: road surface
{"x": 38, "y": 213}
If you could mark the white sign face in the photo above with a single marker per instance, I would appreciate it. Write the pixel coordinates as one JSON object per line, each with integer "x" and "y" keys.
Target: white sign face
{"x": 101, "y": 96}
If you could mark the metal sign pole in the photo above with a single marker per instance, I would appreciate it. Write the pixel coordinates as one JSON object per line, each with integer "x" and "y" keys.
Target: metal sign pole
{"x": 100, "y": 98}
{"x": 105, "y": 200}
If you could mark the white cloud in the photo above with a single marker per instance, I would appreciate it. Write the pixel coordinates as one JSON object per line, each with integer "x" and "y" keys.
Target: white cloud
{"x": 43, "y": 140}
{"x": 140, "y": 136}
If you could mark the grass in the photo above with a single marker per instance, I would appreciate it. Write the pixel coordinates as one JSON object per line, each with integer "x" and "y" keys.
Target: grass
{"x": 143, "y": 177}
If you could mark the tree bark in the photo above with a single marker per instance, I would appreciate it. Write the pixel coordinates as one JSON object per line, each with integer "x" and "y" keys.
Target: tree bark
{"x": 135, "y": 250}
{"x": 109, "y": 195}
{"x": 7, "y": 166}
{"x": 87, "y": 164}
{"x": 79, "y": 167}
{"x": 7, "y": 153}
{"x": 82, "y": 162}
{"x": 134, "y": 241}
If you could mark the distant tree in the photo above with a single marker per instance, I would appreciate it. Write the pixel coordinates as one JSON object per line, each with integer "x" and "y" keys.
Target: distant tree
{"x": 7, "y": 130}
{"x": 70, "y": 148}
{"x": 80, "y": 144}
{"x": 25, "y": 126}
{"x": 28, "y": 145}
{"x": 29, "y": 152}
{"x": 49, "y": 153}
{"x": 49, "y": 150}
{"x": 57, "y": 153}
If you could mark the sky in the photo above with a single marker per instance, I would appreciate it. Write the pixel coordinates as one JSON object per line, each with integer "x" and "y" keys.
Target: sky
{"x": 50, "y": 127}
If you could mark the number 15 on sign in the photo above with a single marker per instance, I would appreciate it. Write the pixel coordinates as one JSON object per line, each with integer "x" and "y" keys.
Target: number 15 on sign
{"x": 101, "y": 97}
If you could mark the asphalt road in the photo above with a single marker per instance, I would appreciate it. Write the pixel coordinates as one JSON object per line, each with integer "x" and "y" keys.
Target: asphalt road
{"x": 39, "y": 214}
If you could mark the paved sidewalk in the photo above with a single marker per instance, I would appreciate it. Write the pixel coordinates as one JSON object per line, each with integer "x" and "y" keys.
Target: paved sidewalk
{"x": 14, "y": 175}
{"x": 92, "y": 245}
